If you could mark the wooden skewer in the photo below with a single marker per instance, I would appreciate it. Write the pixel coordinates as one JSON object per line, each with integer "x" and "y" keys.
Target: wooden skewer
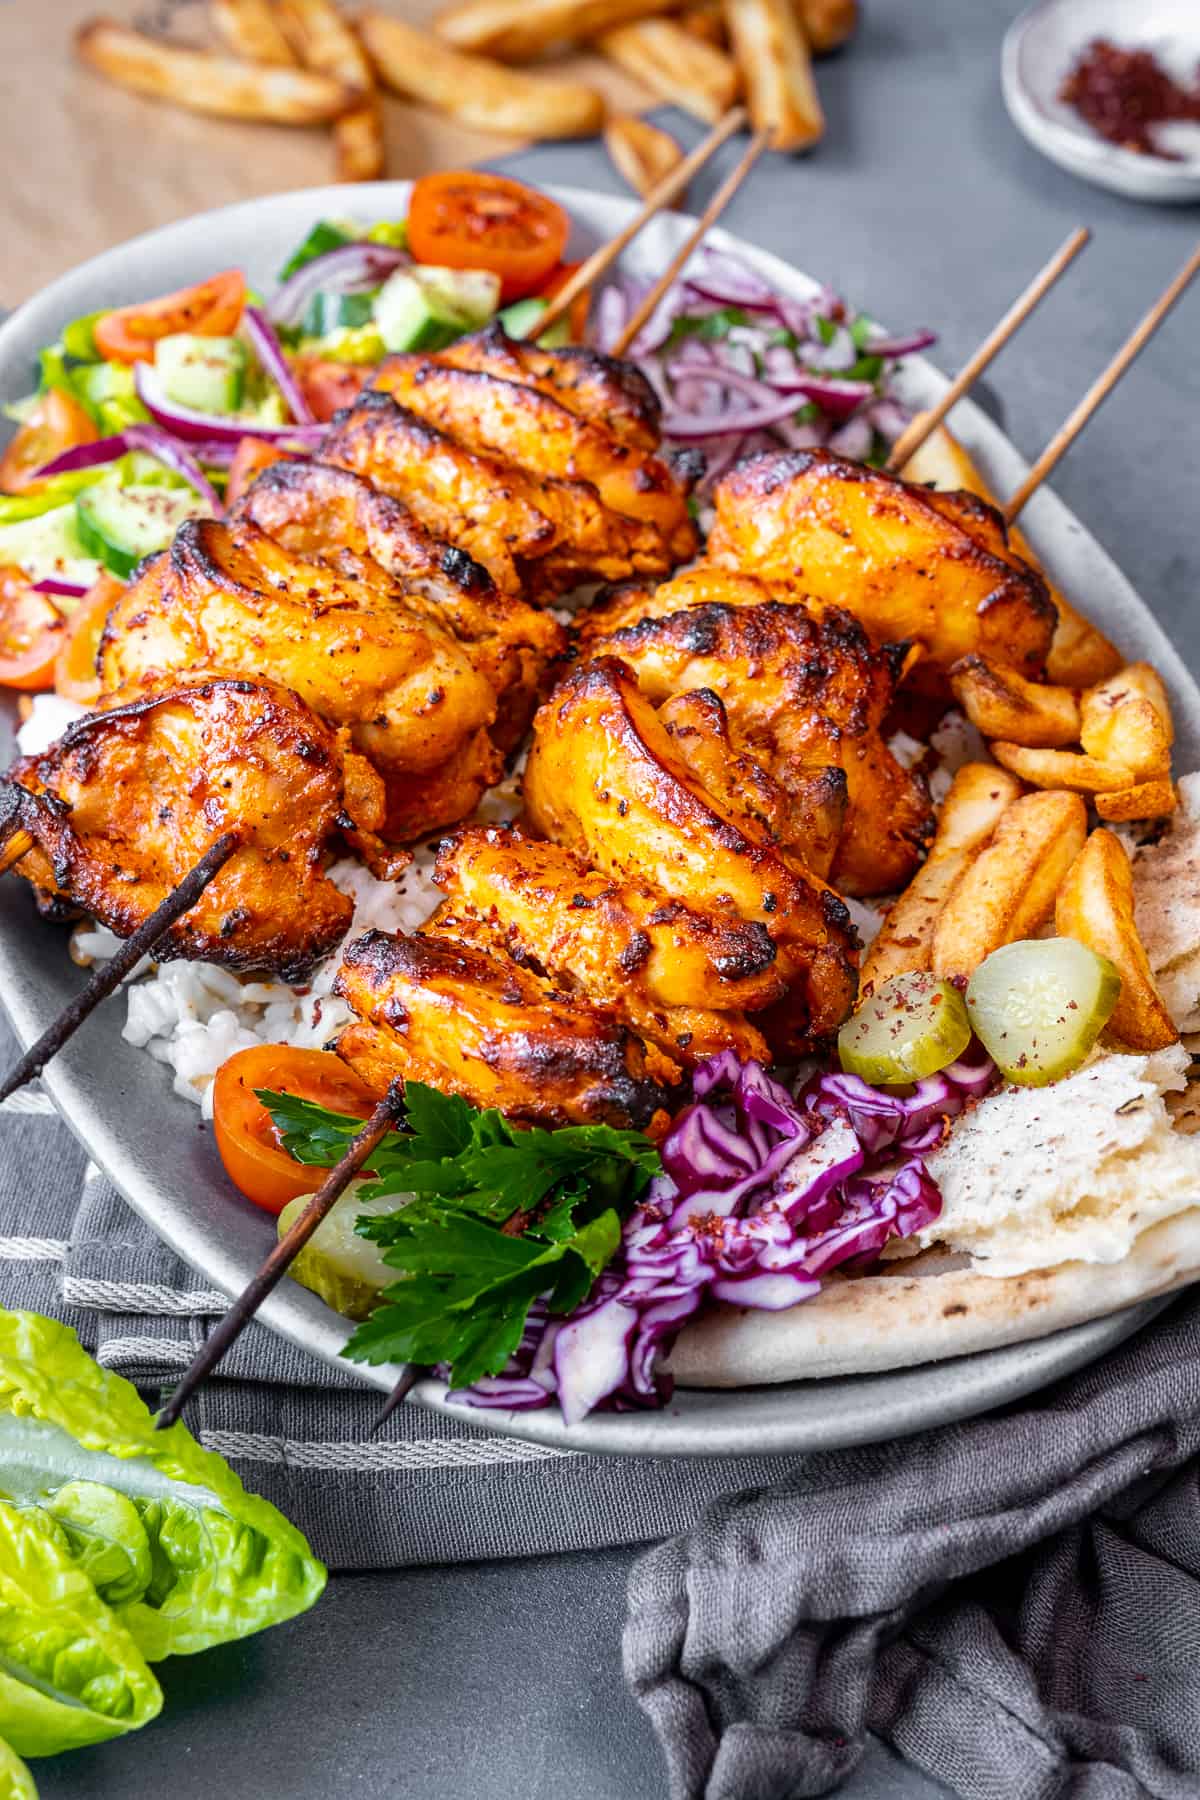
{"x": 111, "y": 974}
{"x": 18, "y": 845}
{"x": 662, "y": 194}
{"x": 716, "y": 206}
{"x": 1101, "y": 388}
{"x": 926, "y": 423}
{"x": 357, "y": 1152}
{"x": 412, "y": 1373}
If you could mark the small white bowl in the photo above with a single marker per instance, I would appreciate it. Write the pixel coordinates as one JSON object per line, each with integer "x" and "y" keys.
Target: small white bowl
{"x": 1041, "y": 47}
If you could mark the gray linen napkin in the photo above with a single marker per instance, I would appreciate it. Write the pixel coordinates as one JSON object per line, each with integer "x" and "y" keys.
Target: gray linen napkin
{"x": 1063, "y": 1661}
{"x": 428, "y": 1489}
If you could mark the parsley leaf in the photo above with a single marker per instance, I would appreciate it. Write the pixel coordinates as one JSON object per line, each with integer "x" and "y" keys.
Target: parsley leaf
{"x": 494, "y": 1216}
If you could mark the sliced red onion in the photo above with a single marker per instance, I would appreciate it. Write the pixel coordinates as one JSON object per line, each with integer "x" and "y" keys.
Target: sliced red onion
{"x": 837, "y": 398}
{"x": 69, "y": 590}
{"x": 697, "y": 428}
{"x": 853, "y": 439}
{"x": 802, "y": 437}
{"x": 731, "y": 283}
{"x": 154, "y": 442}
{"x": 210, "y": 428}
{"x": 889, "y": 418}
{"x": 609, "y": 315}
{"x": 900, "y": 346}
{"x": 351, "y": 268}
{"x": 274, "y": 363}
{"x": 839, "y": 354}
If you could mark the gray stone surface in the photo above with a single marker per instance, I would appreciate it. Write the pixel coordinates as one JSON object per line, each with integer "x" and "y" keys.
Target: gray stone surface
{"x": 925, "y": 205}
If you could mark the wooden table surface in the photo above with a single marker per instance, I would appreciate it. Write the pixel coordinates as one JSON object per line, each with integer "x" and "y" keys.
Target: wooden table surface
{"x": 90, "y": 165}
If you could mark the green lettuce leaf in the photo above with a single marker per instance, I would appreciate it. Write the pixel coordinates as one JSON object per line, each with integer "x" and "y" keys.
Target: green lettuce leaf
{"x": 187, "y": 1557}
{"x": 70, "y": 1673}
{"x": 16, "y": 1783}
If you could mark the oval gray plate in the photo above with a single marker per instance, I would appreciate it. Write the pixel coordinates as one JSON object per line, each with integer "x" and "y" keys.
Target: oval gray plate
{"x": 153, "y": 1145}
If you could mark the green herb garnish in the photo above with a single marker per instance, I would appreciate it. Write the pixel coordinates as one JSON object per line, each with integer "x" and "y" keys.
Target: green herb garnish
{"x": 498, "y": 1216}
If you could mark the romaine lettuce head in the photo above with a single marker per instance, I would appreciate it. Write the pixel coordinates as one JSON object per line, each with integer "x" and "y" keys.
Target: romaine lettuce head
{"x": 185, "y": 1556}
{"x": 70, "y": 1673}
{"x": 16, "y": 1783}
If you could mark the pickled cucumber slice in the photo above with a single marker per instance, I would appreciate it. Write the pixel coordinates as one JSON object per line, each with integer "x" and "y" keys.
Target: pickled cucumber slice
{"x": 911, "y": 1026}
{"x": 343, "y": 1269}
{"x": 1039, "y": 1005}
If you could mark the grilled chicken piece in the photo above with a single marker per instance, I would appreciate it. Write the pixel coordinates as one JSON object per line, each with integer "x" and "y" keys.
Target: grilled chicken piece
{"x": 801, "y": 695}
{"x": 472, "y": 1023}
{"x": 229, "y": 597}
{"x": 317, "y": 509}
{"x": 806, "y": 819}
{"x": 909, "y": 563}
{"x": 628, "y": 601}
{"x": 621, "y": 944}
{"x": 539, "y": 433}
{"x": 129, "y": 800}
{"x": 587, "y": 383}
{"x": 604, "y": 777}
{"x": 537, "y": 536}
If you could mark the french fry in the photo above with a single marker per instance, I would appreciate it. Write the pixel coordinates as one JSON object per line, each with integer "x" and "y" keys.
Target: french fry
{"x": 323, "y": 40}
{"x": 1002, "y": 704}
{"x": 1127, "y": 720}
{"x": 1061, "y": 769}
{"x": 706, "y": 21}
{"x": 772, "y": 54}
{"x": 518, "y": 30}
{"x": 1010, "y": 888}
{"x": 210, "y": 84}
{"x": 1095, "y": 906}
{"x": 641, "y": 152}
{"x": 1154, "y": 799}
{"x": 827, "y": 23}
{"x": 474, "y": 90}
{"x": 675, "y": 65}
{"x": 250, "y": 30}
{"x": 1079, "y": 654}
{"x": 978, "y": 798}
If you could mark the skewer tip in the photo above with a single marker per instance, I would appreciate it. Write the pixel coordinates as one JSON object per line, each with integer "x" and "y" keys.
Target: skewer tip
{"x": 399, "y": 1394}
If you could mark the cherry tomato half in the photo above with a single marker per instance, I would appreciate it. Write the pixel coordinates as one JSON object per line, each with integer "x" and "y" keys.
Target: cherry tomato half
{"x": 251, "y": 457}
{"x": 75, "y": 676}
{"x": 577, "y": 312}
{"x": 210, "y": 309}
{"x": 31, "y": 630}
{"x": 254, "y": 1157}
{"x": 468, "y": 220}
{"x": 57, "y": 423}
{"x": 328, "y": 386}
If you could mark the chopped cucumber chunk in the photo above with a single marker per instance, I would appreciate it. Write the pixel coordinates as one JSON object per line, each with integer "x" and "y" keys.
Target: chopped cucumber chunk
{"x": 79, "y": 337}
{"x": 910, "y": 1027}
{"x": 324, "y": 236}
{"x": 121, "y": 525}
{"x": 1038, "y": 1006}
{"x": 345, "y": 1270}
{"x": 50, "y": 547}
{"x": 337, "y": 312}
{"x": 207, "y": 374}
{"x": 520, "y": 320}
{"x": 426, "y": 308}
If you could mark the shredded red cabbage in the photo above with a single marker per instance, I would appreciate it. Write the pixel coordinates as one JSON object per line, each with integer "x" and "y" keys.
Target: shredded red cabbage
{"x": 801, "y": 373}
{"x": 763, "y": 1194}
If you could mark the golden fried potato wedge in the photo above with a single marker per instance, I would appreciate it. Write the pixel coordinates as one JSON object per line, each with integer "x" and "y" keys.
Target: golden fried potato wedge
{"x": 322, "y": 40}
{"x": 642, "y": 153}
{"x": 476, "y": 90}
{"x": 1127, "y": 720}
{"x": 1010, "y": 888}
{"x": 827, "y": 23}
{"x": 1002, "y": 704}
{"x": 772, "y": 52}
{"x": 706, "y": 21}
{"x": 1095, "y": 906}
{"x": 359, "y": 143}
{"x": 675, "y": 65}
{"x": 223, "y": 85}
{"x": 978, "y": 798}
{"x": 519, "y": 30}
{"x": 1079, "y": 654}
{"x": 1154, "y": 799}
{"x": 250, "y": 29}
{"x": 1060, "y": 769}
